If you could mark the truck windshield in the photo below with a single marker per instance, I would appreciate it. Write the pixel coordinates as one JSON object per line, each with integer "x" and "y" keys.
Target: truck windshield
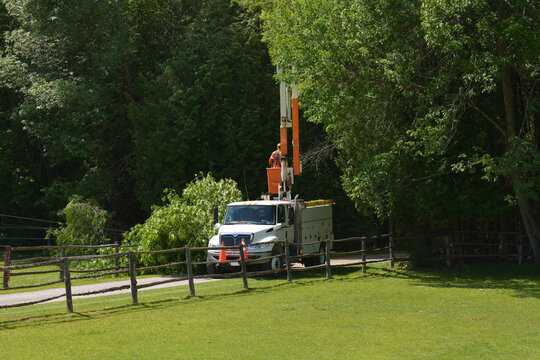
{"x": 250, "y": 214}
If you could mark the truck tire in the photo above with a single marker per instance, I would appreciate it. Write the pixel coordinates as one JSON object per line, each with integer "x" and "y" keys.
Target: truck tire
{"x": 321, "y": 259}
{"x": 211, "y": 266}
{"x": 307, "y": 262}
{"x": 275, "y": 263}
{"x": 211, "y": 269}
{"x": 316, "y": 260}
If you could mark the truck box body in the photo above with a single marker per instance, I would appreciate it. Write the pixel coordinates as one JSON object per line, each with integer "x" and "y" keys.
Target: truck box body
{"x": 316, "y": 227}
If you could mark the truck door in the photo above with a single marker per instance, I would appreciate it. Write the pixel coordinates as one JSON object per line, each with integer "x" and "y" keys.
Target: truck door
{"x": 282, "y": 214}
{"x": 286, "y": 231}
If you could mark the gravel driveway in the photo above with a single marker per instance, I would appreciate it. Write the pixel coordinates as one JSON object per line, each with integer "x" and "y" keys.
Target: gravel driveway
{"x": 30, "y": 296}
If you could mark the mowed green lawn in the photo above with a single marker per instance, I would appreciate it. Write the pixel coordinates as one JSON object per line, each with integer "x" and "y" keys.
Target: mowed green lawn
{"x": 478, "y": 313}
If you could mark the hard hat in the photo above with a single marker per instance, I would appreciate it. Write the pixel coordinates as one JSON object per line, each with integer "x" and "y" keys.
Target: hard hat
{"x": 279, "y": 145}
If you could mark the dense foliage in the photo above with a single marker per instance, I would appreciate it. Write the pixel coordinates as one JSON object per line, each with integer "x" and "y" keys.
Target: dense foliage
{"x": 117, "y": 100}
{"x": 84, "y": 224}
{"x": 210, "y": 107}
{"x": 423, "y": 111}
{"x": 425, "y": 101}
{"x": 185, "y": 219}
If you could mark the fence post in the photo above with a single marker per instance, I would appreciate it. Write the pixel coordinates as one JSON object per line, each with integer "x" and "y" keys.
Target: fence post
{"x": 116, "y": 251}
{"x": 364, "y": 256}
{"x": 190, "y": 271}
{"x": 448, "y": 251}
{"x": 327, "y": 255}
{"x": 7, "y": 262}
{"x": 243, "y": 266}
{"x": 391, "y": 246}
{"x": 288, "y": 260}
{"x": 67, "y": 284}
{"x": 61, "y": 264}
{"x": 133, "y": 277}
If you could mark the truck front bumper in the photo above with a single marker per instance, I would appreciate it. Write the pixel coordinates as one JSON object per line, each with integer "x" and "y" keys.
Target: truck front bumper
{"x": 233, "y": 258}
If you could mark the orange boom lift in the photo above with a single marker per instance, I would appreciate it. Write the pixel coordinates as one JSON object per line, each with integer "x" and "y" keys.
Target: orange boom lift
{"x": 280, "y": 180}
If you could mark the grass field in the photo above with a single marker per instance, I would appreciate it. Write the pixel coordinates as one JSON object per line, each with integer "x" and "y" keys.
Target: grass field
{"x": 477, "y": 313}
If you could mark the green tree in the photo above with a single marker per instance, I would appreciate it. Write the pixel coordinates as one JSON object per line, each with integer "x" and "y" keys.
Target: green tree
{"x": 210, "y": 107}
{"x": 85, "y": 224}
{"x": 65, "y": 64}
{"x": 157, "y": 27}
{"x": 117, "y": 100}
{"x": 491, "y": 51}
{"x": 185, "y": 219}
{"x": 21, "y": 169}
{"x": 410, "y": 93}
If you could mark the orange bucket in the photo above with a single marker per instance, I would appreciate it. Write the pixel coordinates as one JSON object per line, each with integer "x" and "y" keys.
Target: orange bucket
{"x": 274, "y": 179}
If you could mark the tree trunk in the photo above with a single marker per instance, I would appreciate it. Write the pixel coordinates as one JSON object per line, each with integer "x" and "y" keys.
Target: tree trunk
{"x": 530, "y": 221}
{"x": 531, "y": 224}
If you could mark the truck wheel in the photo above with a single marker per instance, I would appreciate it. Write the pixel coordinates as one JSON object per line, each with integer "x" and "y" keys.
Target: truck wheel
{"x": 211, "y": 269}
{"x": 321, "y": 259}
{"x": 316, "y": 260}
{"x": 211, "y": 266}
{"x": 275, "y": 263}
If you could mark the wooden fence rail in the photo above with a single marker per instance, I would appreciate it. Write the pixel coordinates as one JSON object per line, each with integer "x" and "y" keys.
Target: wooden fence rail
{"x": 187, "y": 252}
{"x": 455, "y": 247}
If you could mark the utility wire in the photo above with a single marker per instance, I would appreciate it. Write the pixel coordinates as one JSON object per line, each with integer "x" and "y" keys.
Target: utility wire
{"x": 22, "y": 238}
{"x": 27, "y": 218}
{"x": 28, "y": 227}
{"x": 48, "y": 221}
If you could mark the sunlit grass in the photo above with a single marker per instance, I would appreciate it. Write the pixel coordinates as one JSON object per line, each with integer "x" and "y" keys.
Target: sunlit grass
{"x": 491, "y": 313}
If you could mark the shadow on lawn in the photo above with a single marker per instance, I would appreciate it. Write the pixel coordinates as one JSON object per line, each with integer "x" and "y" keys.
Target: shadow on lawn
{"x": 258, "y": 284}
{"x": 523, "y": 280}
{"x": 59, "y": 318}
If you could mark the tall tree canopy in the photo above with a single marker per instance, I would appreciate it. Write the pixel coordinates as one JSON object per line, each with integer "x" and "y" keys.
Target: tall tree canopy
{"x": 211, "y": 106}
{"x": 425, "y": 100}
{"x": 117, "y": 100}
{"x": 431, "y": 105}
{"x": 64, "y": 61}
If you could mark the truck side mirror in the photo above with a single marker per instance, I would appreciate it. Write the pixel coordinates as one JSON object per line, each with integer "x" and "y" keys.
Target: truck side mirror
{"x": 291, "y": 216}
{"x": 215, "y": 215}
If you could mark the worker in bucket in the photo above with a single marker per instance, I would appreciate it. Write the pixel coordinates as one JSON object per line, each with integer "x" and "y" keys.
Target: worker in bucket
{"x": 275, "y": 158}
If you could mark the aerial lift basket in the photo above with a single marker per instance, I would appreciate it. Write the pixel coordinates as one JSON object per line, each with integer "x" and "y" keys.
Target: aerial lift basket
{"x": 274, "y": 179}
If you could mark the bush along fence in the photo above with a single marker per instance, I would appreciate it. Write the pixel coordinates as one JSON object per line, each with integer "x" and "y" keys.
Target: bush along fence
{"x": 66, "y": 271}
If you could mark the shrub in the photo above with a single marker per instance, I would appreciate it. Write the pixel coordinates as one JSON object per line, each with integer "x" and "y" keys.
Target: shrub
{"x": 85, "y": 224}
{"x": 183, "y": 220}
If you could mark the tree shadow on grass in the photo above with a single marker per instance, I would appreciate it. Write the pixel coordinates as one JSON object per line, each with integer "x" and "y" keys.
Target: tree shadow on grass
{"x": 524, "y": 280}
{"x": 59, "y": 318}
{"x": 260, "y": 284}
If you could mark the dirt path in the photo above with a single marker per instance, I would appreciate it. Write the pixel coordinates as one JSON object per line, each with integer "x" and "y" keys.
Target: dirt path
{"x": 30, "y": 296}
{"x": 24, "y": 297}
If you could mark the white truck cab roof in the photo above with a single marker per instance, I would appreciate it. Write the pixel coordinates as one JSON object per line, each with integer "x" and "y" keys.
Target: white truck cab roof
{"x": 261, "y": 202}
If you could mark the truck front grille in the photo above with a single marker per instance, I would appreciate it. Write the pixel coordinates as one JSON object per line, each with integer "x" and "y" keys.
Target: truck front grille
{"x": 235, "y": 239}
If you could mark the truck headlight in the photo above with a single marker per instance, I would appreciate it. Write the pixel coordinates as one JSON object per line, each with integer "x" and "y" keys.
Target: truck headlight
{"x": 258, "y": 246}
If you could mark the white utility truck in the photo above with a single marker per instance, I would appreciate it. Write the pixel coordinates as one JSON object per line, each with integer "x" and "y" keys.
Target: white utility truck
{"x": 264, "y": 225}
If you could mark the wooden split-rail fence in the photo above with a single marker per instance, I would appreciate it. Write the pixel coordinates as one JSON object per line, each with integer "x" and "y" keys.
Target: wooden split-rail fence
{"x": 465, "y": 246}
{"x": 18, "y": 268}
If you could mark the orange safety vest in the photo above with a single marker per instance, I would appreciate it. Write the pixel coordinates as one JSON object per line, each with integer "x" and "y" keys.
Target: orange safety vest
{"x": 275, "y": 159}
